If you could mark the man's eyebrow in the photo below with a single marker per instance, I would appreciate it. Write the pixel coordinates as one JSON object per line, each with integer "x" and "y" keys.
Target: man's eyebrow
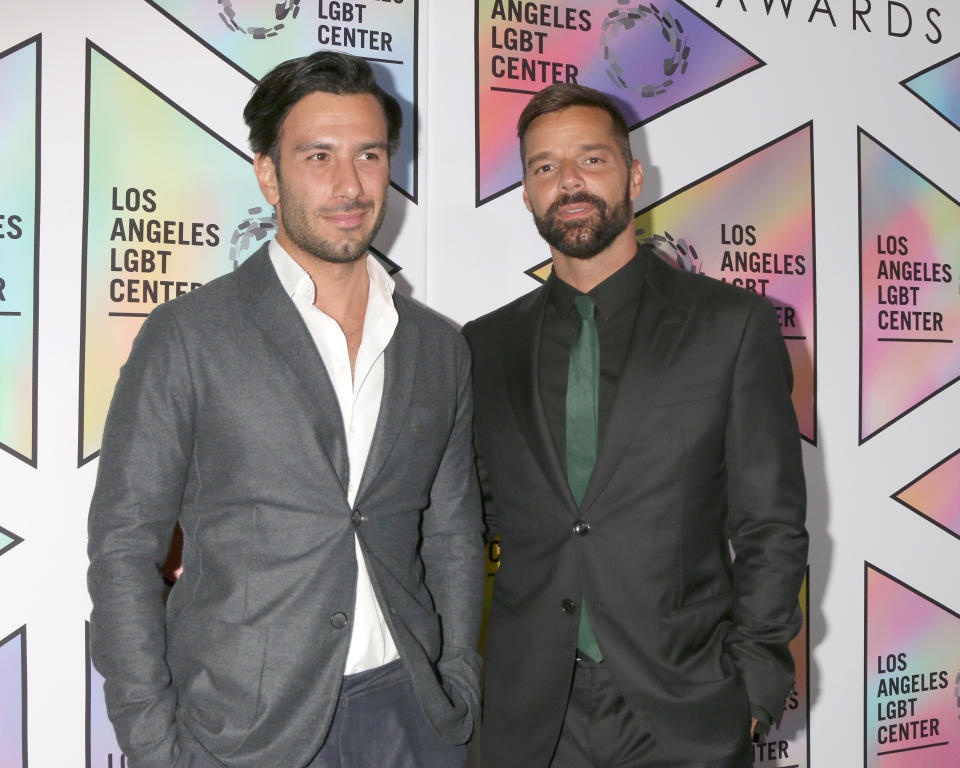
{"x": 328, "y": 147}
{"x": 593, "y": 147}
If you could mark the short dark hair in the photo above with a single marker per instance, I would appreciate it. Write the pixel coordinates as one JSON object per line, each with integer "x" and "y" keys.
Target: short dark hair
{"x": 559, "y": 96}
{"x": 287, "y": 83}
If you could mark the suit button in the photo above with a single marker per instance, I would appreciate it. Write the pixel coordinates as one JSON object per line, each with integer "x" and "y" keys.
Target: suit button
{"x": 567, "y": 605}
{"x": 338, "y": 620}
{"x": 356, "y": 517}
{"x": 580, "y": 528}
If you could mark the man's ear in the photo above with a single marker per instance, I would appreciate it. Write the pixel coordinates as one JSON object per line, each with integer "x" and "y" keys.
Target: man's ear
{"x": 266, "y": 172}
{"x": 636, "y": 179}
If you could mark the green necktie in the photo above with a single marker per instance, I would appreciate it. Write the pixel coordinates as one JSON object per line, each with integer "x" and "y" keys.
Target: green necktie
{"x": 583, "y": 391}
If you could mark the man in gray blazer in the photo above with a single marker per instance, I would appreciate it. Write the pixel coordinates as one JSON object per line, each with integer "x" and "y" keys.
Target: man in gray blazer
{"x": 311, "y": 433}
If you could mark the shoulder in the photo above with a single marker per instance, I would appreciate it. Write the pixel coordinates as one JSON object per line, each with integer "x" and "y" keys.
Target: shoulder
{"x": 695, "y": 291}
{"x": 434, "y": 328}
{"x": 505, "y": 317}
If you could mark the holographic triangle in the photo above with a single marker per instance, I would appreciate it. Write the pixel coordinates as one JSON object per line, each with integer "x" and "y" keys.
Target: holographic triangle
{"x": 159, "y": 223}
{"x": 253, "y": 37}
{"x": 939, "y": 88}
{"x": 13, "y": 699}
{"x": 19, "y": 252}
{"x": 935, "y": 495}
{"x": 911, "y": 663}
{"x": 909, "y": 265}
{"x": 650, "y": 57}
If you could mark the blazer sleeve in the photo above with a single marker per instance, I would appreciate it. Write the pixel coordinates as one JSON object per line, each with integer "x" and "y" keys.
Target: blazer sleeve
{"x": 453, "y": 558}
{"x": 766, "y": 512}
{"x": 144, "y": 457}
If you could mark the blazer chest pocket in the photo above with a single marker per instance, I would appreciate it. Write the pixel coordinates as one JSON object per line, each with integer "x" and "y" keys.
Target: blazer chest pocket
{"x": 217, "y": 667}
{"x": 678, "y": 394}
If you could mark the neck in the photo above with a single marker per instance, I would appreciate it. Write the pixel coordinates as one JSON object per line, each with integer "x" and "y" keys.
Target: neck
{"x": 587, "y": 274}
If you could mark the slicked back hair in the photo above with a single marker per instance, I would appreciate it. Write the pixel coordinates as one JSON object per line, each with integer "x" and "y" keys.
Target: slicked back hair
{"x": 326, "y": 71}
{"x": 559, "y": 96}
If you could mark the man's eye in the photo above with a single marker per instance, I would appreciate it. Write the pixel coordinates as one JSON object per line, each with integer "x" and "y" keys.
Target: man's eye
{"x": 319, "y": 156}
{"x": 594, "y": 160}
{"x": 370, "y": 156}
{"x": 544, "y": 168}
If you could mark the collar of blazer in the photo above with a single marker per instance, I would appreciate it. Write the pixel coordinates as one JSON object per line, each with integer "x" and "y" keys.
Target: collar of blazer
{"x": 660, "y": 318}
{"x": 271, "y": 309}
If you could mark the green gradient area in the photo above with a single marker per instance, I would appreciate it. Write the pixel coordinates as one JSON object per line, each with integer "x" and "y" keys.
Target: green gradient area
{"x": 165, "y": 198}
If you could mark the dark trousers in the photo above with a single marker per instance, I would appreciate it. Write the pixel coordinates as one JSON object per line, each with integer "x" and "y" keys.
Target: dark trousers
{"x": 377, "y": 724}
{"x": 601, "y": 731}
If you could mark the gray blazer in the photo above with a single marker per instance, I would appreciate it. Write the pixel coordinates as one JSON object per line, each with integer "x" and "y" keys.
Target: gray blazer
{"x": 225, "y": 420}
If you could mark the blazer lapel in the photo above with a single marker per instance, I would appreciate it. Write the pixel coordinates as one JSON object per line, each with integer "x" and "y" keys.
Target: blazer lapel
{"x": 273, "y": 311}
{"x": 655, "y": 334}
{"x": 522, "y": 355}
{"x": 400, "y": 366}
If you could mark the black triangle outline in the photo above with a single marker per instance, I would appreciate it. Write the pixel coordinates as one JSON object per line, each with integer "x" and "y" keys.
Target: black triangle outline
{"x": 812, "y": 440}
{"x": 760, "y": 63}
{"x": 896, "y": 495}
{"x": 90, "y": 48}
{"x": 906, "y": 84}
{"x": 14, "y": 540}
{"x": 415, "y": 132}
{"x": 31, "y": 460}
{"x": 861, "y": 132}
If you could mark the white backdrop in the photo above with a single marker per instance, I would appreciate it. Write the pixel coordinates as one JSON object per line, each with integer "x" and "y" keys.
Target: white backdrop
{"x": 463, "y": 260}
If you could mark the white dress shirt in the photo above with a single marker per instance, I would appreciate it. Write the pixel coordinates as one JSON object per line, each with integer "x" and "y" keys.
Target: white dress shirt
{"x": 359, "y": 395}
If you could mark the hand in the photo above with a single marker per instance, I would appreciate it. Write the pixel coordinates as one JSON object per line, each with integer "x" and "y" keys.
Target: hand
{"x": 753, "y": 726}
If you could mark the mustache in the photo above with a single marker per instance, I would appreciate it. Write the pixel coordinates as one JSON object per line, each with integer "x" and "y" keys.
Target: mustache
{"x": 577, "y": 197}
{"x": 353, "y": 206}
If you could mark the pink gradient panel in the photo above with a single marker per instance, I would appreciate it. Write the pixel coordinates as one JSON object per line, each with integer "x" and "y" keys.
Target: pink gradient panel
{"x": 937, "y": 494}
{"x": 752, "y": 225}
{"x": 912, "y": 662}
{"x": 909, "y": 265}
{"x": 648, "y": 59}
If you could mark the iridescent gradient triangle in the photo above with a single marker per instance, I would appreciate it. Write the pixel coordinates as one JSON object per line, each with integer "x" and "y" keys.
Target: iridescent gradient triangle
{"x": 939, "y": 88}
{"x": 13, "y": 700}
{"x": 650, "y": 57}
{"x": 935, "y": 495}
{"x": 901, "y": 367}
{"x": 912, "y": 642}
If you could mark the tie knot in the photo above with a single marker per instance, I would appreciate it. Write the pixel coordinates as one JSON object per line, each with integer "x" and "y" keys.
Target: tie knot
{"x": 584, "y": 306}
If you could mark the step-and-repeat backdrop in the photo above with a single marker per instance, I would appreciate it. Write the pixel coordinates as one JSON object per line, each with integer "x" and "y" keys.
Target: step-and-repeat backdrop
{"x": 806, "y": 150}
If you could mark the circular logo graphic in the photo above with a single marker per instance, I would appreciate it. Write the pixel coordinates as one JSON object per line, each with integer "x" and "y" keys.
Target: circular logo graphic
{"x": 281, "y": 11}
{"x": 249, "y": 234}
{"x": 643, "y": 16}
{"x": 677, "y": 250}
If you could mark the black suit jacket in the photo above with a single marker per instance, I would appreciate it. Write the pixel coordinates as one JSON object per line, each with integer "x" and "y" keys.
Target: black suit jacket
{"x": 701, "y": 451}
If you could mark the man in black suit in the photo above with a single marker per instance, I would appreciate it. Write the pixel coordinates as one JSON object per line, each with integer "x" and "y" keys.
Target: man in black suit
{"x": 633, "y": 422}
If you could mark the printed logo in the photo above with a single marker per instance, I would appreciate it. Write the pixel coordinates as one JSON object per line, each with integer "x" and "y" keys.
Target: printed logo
{"x": 910, "y": 316}
{"x": 19, "y": 254}
{"x": 254, "y": 37}
{"x": 935, "y": 495}
{"x": 650, "y": 57}
{"x": 13, "y": 699}
{"x": 910, "y": 668}
{"x": 158, "y": 224}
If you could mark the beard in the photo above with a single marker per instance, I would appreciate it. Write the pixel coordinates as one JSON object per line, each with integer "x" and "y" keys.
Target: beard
{"x": 297, "y": 221}
{"x": 586, "y": 238}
